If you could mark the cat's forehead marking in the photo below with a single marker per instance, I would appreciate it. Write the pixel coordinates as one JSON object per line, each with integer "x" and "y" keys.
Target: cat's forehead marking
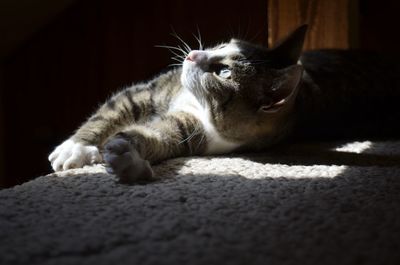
{"x": 224, "y": 50}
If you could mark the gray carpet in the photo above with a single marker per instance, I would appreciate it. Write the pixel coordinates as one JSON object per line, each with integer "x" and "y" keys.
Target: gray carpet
{"x": 305, "y": 204}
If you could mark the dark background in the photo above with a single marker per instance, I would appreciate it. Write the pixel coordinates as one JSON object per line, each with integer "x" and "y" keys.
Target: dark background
{"x": 57, "y": 75}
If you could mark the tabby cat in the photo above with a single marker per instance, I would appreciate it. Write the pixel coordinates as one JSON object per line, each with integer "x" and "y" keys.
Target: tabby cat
{"x": 233, "y": 97}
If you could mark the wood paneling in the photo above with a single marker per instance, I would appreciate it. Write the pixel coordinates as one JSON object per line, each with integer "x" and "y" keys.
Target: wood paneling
{"x": 332, "y": 24}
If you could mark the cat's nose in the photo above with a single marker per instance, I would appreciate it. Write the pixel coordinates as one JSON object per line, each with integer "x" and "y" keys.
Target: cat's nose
{"x": 197, "y": 56}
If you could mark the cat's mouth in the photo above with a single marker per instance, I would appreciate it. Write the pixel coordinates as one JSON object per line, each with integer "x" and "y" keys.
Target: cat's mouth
{"x": 190, "y": 75}
{"x": 273, "y": 106}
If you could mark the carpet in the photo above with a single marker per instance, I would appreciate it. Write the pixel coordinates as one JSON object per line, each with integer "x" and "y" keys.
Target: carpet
{"x": 310, "y": 203}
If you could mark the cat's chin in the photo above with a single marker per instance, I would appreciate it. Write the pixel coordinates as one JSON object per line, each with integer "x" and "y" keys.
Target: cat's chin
{"x": 189, "y": 74}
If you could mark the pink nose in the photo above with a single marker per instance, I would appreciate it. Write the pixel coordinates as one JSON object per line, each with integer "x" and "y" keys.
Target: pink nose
{"x": 197, "y": 56}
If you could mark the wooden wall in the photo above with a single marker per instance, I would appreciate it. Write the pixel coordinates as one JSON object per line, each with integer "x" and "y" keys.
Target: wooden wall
{"x": 363, "y": 24}
{"x": 332, "y": 24}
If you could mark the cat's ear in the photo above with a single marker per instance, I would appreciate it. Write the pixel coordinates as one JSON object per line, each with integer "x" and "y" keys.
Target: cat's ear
{"x": 288, "y": 50}
{"x": 284, "y": 89}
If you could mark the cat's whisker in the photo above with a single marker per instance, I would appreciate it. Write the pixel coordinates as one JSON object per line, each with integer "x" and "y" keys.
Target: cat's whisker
{"x": 171, "y": 47}
{"x": 185, "y": 45}
{"x": 262, "y": 29}
{"x": 199, "y": 41}
{"x": 198, "y": 38}
{"x": 172, "y": 50}
{"x": 178, "y": 48}
{"x": 183, "y": 56}
{"x": 247, "y": 29}
{"x": 185, "y": 53}
{"x": 178, "y": 58}
{"x": 194, "y": 133}
{"x": 258, "y": 63}
{"x": 174, "y": 64}
{"x": 239, "y": 32}
{"x": 231, "y": 32}
{"x": 201, "y": 141}
{"x": 254, "y": 62}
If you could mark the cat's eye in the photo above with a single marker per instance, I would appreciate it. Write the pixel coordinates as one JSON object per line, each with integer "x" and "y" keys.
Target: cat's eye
{"x": 222, "y": 70}
{"x": 225, "y": 73}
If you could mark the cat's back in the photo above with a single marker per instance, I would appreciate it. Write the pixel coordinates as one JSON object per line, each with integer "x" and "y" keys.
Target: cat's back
{"x": 352, "y": 72}
{"x": 342, "y": 87}
{"x": 163, "y": 88}
{"x": 169, "y": 79}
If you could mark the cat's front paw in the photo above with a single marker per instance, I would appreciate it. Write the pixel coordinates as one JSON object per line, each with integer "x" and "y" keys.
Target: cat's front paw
{"x": 73, "y": 155}
{"x": 125, "y": 162}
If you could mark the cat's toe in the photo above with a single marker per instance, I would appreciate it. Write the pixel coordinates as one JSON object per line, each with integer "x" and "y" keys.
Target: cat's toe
{"x": 117, "y": 163}
{"x": 74, "y": 161}
{"x": 124, "y": 162}
{"x": 117, "y": 145}
{"x": 140, "y": 170}
{"x": 73, "y": 155}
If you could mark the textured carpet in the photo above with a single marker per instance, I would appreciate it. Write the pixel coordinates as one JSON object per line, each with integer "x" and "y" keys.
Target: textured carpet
{"x": 305, "y": 204}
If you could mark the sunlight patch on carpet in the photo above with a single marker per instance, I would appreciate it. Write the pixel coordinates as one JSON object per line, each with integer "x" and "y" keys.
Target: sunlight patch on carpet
{"x": 256, "y": 170}
{"x": 355, "y": 147}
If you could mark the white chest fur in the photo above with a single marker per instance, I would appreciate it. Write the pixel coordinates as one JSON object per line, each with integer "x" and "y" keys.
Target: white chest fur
{"x": 187, "y": 102}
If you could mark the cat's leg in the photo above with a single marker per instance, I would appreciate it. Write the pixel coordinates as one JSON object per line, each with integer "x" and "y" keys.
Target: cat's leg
{"x": 82, "y": 148}
{"x": 129, "y": 153}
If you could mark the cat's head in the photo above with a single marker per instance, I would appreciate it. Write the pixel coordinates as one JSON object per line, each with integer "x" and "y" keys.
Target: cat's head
{"x": 249, "y": 89}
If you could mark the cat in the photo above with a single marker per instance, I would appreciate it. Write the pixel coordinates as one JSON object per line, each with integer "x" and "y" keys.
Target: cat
{"x": 236, "y": 96}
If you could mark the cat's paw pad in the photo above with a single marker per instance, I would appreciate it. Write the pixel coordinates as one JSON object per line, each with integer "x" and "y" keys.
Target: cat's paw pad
{"x": 125, "y": 162}
{"x": 73, "y": 155}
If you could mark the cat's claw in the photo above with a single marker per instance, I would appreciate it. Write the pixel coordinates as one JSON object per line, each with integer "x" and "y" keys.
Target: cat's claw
{"x": 73, "y": 155}
{"x": 125, "y": 162}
